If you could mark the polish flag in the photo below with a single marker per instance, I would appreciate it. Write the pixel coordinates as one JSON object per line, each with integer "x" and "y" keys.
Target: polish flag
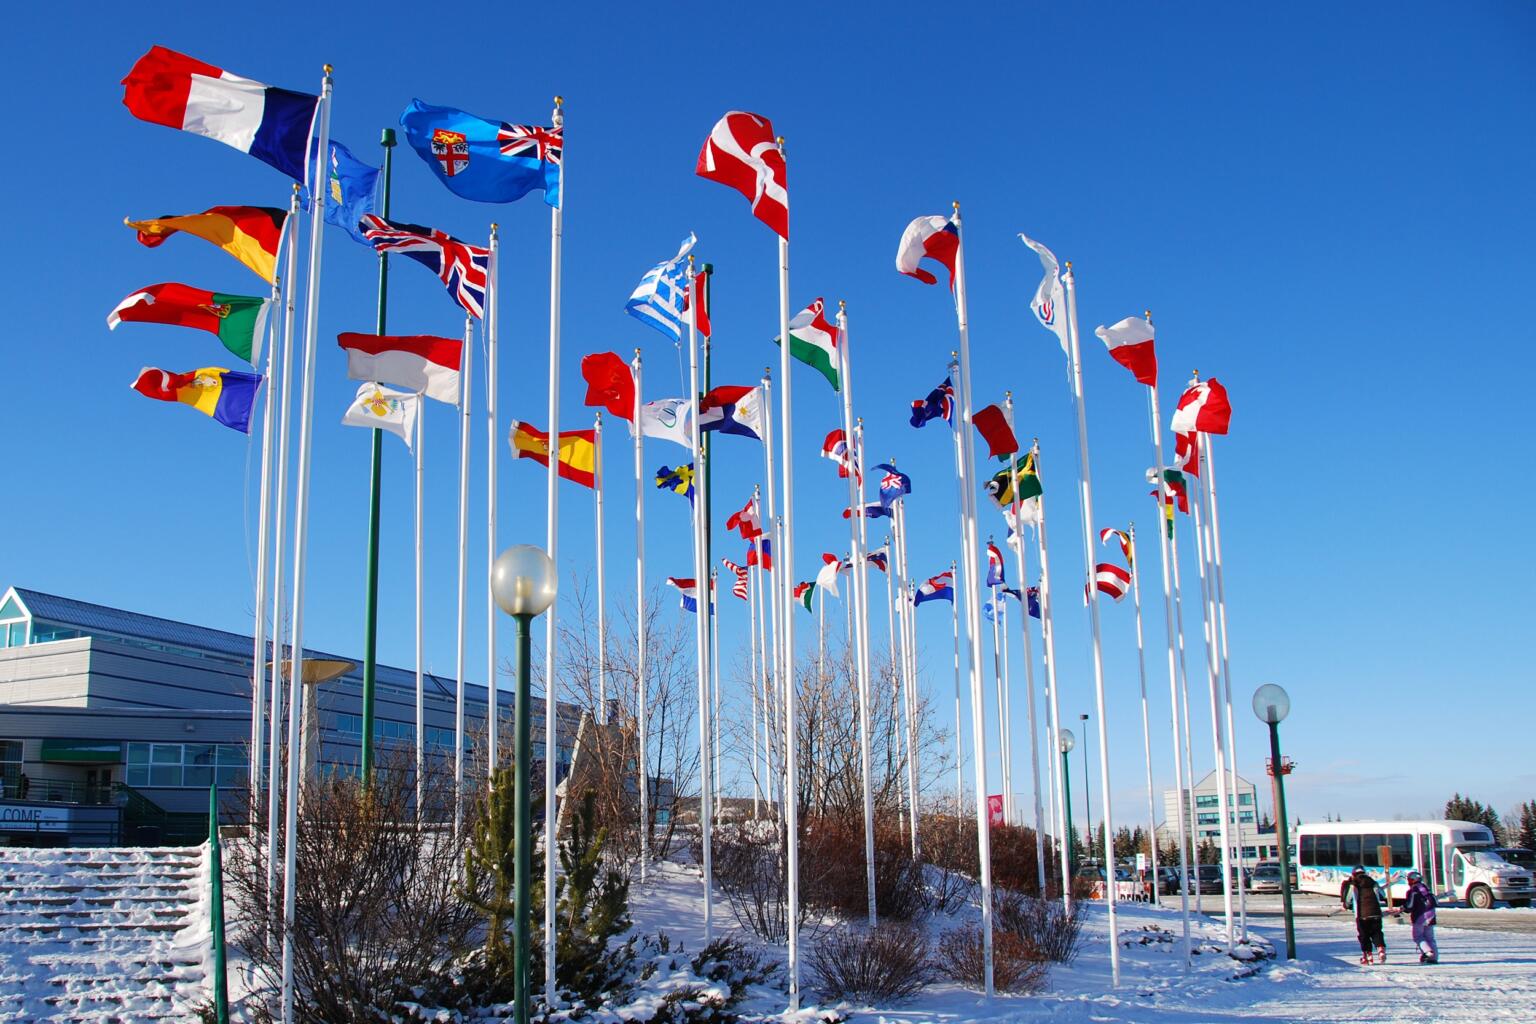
{"x": 1130, "y": 344}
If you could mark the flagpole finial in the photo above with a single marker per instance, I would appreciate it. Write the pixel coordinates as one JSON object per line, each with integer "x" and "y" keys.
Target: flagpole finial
{"x": 637, "y": 353}
{"x": 296, "y": 188}
{"x": 387, "y": 137}
{"x": 1148, "y": 314}
{"x": 842, "y": 306}
{"x": 767, "y": 373}
{"x": 328, "y": 70}
{"x": 1196, "y": 375}
{"x": 1069, "y": 265}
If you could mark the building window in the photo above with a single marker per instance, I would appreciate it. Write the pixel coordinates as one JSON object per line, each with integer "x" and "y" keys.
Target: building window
{"x": 10, "y": 766}
{"x": 1207, "y": 818}
{"x": 1246, "y": 817}
{"x": 1251, "y": 852}
{"x": 1245, "y": 799}
{"x": 1207, "y": 801}
{"x": 184, "y": 765}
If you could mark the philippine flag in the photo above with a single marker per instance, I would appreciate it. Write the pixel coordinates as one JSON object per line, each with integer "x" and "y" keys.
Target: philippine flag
{"x": 733, "y": 409}
{"x": 939, "y": 588}
{"x": 270, "y": 124}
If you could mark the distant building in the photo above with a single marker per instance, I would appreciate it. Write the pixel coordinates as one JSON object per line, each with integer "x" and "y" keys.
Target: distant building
{"x": 113, "y": 724}
{"x": 1203, "y": 807}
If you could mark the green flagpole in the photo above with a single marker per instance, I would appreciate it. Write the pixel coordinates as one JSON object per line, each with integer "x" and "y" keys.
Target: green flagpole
{"x": 216, "y": 910}
{"x": 371, "y": 615}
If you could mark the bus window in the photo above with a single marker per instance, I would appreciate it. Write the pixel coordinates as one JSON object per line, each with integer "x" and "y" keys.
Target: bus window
{"x": 1423, "y": 862}
{"x": 1439, "y": 862}
{"x": 1308, "y": 851}
{"x": 1402, "y": 850}
{"x": 1327, "y": 851}
{"x": 1349, "y": 851}
{"x": 1370, "y": 843}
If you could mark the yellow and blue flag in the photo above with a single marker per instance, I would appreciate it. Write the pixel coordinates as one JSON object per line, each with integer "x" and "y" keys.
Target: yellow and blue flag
{"x": 678, "y": 481}
{"x": 487, "y": 161}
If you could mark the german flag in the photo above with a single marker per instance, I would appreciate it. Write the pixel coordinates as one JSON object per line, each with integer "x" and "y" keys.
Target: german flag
{"x": 578, "y": 451}
{"x": 251, "y": 234}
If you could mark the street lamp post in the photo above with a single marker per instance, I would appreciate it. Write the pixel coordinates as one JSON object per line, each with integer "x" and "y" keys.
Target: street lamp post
{"x": 1087, "y": 791}
{"x": 1065, "y": 741}
{"x": 523, "y": 581}
{"x": 1271, "y": 704}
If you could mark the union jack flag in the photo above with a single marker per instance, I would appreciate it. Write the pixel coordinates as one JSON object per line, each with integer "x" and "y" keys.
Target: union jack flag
{"x": 464, "y": 268}
{"x": 739, "y": 588}
{"x": 531, "y": 141}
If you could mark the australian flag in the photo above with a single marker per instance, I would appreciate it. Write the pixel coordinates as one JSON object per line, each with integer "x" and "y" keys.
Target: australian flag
{"x": 488, "y": 161}
{"x": 940, "y": 404}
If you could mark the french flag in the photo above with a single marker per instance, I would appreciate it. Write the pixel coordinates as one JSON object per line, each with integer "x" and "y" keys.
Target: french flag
{"x": 939, "y": 588}
{"x": 689, "y": 590}
{"x": 1131, "y": 344}
{"x": 273, "y": 125}
{"x": 934, "y": 238}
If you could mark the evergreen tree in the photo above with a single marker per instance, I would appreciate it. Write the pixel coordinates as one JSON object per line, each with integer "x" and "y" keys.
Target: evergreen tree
{"x": 1460, "y": 808}
{"x": 592, "y": 907}
{"x": 1525, "y": 834}
{"x": 489, "y": 879}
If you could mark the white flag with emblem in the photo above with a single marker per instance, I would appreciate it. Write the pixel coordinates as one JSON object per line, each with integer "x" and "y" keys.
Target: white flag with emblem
{"x": 385, "y": 409}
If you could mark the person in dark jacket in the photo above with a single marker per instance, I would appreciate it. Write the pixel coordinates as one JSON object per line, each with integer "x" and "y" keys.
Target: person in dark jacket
{"x": 1368, "y": 898}
{"x": 1419, "y": 905}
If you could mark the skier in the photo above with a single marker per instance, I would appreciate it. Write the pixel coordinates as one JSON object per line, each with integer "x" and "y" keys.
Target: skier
{"x": 1419, "y": 905}
{"x": 1368, "y": 900}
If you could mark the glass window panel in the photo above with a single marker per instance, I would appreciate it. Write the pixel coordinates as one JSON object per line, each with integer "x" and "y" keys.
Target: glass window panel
{"x": 197, "y": 775}
{"x": 165, "y": 775}
{"x": 1327, "y": 851}
{"x": 1349, "y": 851}
{"x": 165, "y": 753}
{"x": 138, "y": 753}
{"x": 136, "y": 775}
{"x": 1206, "y": 801}
{"x": 1402, "y": 849}
{"x": 1308, "y": 851}
{"x": 11, "y": 610}
{"x": 230, "y": 775}
{"x": 231, "y": 753}
{"x": 18, "y": 633}
{"x": 1246, "y": 799}
{"x": 198, "y": 754}
{"x": 1369, "y": 844}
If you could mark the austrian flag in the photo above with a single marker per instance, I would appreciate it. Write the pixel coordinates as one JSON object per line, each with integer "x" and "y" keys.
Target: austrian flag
{"x": 1131, "y": 345}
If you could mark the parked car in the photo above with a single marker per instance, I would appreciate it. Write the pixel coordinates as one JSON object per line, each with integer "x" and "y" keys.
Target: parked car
{"x": 1519, "y": 857}
{"x": 1169, "y": 880}
{"x": 1266, "y": 877}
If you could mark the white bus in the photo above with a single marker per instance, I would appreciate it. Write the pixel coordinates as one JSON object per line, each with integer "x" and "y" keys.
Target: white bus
{"x": 1456, "y": 858}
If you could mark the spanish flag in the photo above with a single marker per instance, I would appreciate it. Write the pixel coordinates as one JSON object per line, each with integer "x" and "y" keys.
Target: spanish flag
{"x": 251, "y": 234}
{"x": 225, "y": 395}
{"x": 578, "y": 451}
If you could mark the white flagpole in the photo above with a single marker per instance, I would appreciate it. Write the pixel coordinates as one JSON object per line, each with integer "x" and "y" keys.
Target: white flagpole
{"x": 1213, "y": 678}
{"x": 551, "y": 633}
{"x": 1165, "y": 520}
{"x": 1186, "y": 799}
{"x": 602, "y": 605}
{"x": 972, "y": 550}
{"x": 284, "y": 404}
{"x": 1090, "y": 535}
{"x": 492, "y": 311}
{"x": 714, "y": 687}
{"x": 701, "y": 626}
{"x": 752, "y": 584}
{"x": 1060, "y": 796}
{"x": 421, "y": 692}
{"x": 640, "y": 682}
{"x": 787, "y": 561}
{"x": 907, "y": 626}
{"x": 263, "y": 568}
{"x": 1002, "y": 716}
{"x": 899, "y": 692}
{"x": 300, "y": 546}
{"x": 855, "y": 604}
{"x": 1029, "y": 661}
{"x": 1000, "y": 607}
{"x": 778, "y": 609}
{"x": 1208, "y": 450}
{"x": 462, "y": 593}
{"x": 1146, "y": 714}
{"x": 954, "y": 615}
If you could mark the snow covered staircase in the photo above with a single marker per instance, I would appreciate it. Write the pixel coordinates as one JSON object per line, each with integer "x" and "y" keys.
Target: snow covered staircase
{"x": 103, "y": 934}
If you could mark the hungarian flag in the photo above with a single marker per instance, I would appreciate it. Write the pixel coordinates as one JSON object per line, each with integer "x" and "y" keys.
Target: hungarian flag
{"x": 741, "y": 152}
{"x": 239, "y": 321}
{"x": 1124, "y": 539}
{"x": 270, "y": 124}
{"x": 422, "y": 362}
{"x": 992, "y": 424}
{"x": 1204, "y": 407}
{"x": 1131, "y": 344}
{"x": 935, "y": 238}
{"x": 225, "y": 395}
{"x": 578, "y": 459}
{"x": 813, "y": 340}
{"x": 1186, "y": 452}
{"x": 1110, "y": 579}
{"x": 251, "y": 234}
{"x": 1000, "y": 487}
{"x": 803, "y": 593}
{"x": 610, "y": 383}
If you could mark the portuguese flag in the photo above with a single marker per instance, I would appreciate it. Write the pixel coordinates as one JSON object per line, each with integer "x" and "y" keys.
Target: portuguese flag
{"x": 813, "y": 340}
{"x": 251, "y": 234}
{"x": 239, "y": 321}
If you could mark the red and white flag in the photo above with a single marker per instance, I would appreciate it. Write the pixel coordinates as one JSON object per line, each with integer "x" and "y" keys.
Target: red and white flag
{"x": 421, "y": 363}
{"x": 746, "y": 521}
{"x": 697, "y": 312}
{"x": 741, "y": 152}
{"x": 935, "y": 238}
{"x": 837, "y": 449}
{"x": 1111, "y": 580}
{"x": 1204, "y": 407}
{"x": 1124, "y": 539}
{"x": 739, "y": 588}
{"x": 1186, "y": 453}
{"x": 1131, "y": 344}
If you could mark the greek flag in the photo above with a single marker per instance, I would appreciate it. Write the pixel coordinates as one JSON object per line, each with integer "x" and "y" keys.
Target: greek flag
{"x": 662, "y": 294}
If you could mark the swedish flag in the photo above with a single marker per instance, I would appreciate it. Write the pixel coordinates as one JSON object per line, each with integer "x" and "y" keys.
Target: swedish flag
{"x": 678, "y": 481}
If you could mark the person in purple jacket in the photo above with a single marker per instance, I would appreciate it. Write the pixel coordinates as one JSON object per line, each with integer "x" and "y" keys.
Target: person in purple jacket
{"x": 1419, "y": 905}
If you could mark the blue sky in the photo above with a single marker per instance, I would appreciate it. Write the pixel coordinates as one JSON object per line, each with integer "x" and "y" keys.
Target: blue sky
{"x": 1328, "y": 209}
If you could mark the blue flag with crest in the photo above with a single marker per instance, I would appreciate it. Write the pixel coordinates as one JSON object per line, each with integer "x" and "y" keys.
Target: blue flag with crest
{"x": 487, "y": 161}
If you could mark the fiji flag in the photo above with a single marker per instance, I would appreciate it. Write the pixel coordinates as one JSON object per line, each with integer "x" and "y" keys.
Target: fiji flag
{"x": 487, "y": 161}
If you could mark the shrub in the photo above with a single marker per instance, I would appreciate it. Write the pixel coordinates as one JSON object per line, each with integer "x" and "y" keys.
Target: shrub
{"x": 1052, "y": 932}
{"x": 750, "y": 869}
{"x": 885, "y": 964}
{"x": 1016, "y": 965}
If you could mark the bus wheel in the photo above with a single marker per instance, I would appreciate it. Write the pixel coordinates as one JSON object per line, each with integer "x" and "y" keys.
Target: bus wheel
{"x": 1480, "y": 896}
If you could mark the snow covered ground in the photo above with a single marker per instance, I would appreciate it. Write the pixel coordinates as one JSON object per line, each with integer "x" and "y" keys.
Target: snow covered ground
{"x": 1484, "y": 975}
